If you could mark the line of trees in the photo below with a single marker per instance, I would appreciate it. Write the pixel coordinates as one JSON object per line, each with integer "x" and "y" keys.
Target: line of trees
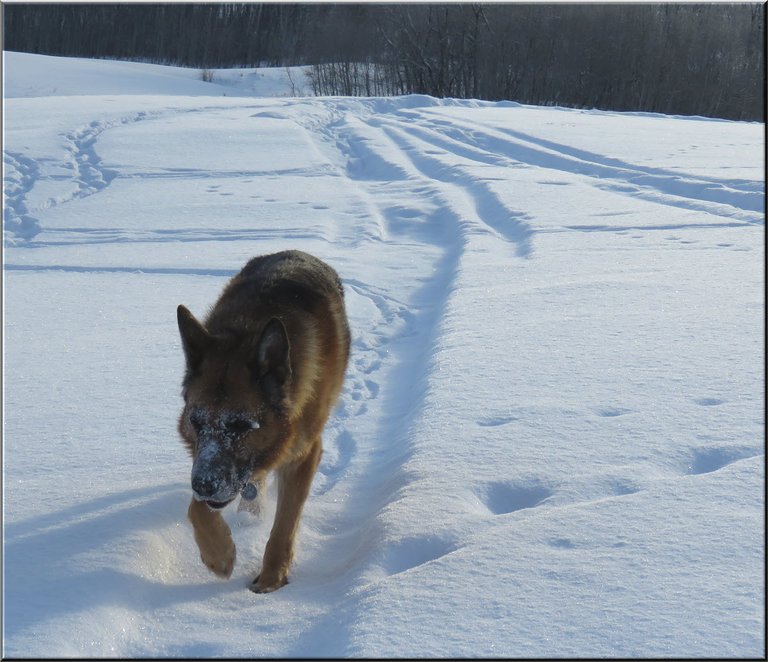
{"x": 194, "y": 35}
{"x": 703, "y": 59}
{"x": 687, "y": 59}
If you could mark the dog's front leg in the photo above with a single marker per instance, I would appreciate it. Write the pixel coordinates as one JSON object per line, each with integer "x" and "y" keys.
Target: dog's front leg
{"x": 213, "y": 538}
{"x": 294, "y": 481}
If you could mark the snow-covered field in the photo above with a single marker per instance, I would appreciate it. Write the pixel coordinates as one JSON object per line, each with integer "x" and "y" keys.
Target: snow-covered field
{"x": 551, "y": 438}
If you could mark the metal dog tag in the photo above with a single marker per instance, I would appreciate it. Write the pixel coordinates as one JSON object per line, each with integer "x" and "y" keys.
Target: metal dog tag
{"x": 250, "y": 492}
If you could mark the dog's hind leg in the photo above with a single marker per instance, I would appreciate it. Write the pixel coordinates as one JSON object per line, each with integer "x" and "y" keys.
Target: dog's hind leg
{"x": 213, "y": 538}
{"x": 293, "y": 483}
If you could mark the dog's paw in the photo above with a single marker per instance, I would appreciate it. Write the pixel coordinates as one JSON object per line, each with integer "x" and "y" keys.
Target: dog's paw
{"x": 222, "y": 562}
{"x": 259, "y": 586}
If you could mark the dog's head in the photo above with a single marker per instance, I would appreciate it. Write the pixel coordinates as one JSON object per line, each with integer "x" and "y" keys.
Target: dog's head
{"x": 235, "y": 405}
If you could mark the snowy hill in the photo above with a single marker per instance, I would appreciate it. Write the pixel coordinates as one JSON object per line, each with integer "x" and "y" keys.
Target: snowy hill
{"x": 551, "y": 437}
{"x": 30, "y": 75}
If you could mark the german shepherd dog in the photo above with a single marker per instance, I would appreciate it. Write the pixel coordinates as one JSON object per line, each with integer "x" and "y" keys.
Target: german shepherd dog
{"x": 262, "y": 373}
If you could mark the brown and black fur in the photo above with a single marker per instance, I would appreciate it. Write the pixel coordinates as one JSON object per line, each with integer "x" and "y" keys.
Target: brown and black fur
{"x": 264, "y": 370}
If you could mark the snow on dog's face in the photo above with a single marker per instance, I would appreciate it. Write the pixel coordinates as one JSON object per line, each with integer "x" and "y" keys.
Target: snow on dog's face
{"x": 235, "y": 400}
{"x": 223, "y": 458}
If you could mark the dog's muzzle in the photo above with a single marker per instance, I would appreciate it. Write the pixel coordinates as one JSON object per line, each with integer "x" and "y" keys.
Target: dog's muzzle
{"x": 216, "y": 479}
{"x": 215, "y": 485}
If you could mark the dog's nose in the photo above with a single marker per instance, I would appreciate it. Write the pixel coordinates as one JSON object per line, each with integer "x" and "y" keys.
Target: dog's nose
{"x": 203, "y": 486}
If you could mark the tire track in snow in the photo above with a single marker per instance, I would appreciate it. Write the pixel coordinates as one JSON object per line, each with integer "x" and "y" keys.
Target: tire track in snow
{"x": 741, "y": 193}
{"x": 472, "y": 199}
{"x": 739, "y": 199}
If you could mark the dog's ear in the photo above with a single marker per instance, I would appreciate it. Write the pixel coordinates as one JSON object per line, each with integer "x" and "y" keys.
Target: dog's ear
{"x": 271, "y": 363}
{"x": 194, "y": 338}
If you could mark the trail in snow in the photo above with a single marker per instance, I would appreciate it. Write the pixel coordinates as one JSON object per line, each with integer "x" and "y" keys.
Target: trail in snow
{"x": 529, "y": 323}
{"x": 694, "y": 192}
{"x": 22, "y": 173}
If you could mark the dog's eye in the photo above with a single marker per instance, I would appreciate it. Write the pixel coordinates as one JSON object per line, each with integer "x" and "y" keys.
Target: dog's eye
{"x": 242, "y": 425}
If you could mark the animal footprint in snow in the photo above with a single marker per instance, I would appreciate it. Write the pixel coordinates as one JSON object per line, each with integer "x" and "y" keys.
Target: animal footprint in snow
{"x": 508, "y": 497}
{"x": 708, "y": 460}
{"x": 611, "y": 412}
{"x": 415, "y": 551}
{"x": 709, "y": 402}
